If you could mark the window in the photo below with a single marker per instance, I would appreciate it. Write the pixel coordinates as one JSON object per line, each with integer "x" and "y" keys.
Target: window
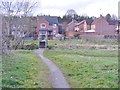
{"x": 43, "y": 25}
{"x": 43, "y": 32}
{"x": 54, "y": 32}
{"x": 76, "y": 29}
{"x": 93, "y": 27}
{"x": 54, "y": 25}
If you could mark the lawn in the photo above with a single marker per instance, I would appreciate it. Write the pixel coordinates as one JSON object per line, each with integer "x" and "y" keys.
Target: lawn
{"x": 73, "y": 42}
{"x": 23, "y": 69}
{"x": 87, "y": 68}
{"x": 31, "y": 42}
{"x": 79, "y": 42}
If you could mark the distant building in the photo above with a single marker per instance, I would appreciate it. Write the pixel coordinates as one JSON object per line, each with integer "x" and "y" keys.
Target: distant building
{"x": 83, "y": 26}
{"x": 49, "y": 24}
{"x": 98, "y": 26}
{"x": 70, "y": 29}
{"x": 104, "y": 27}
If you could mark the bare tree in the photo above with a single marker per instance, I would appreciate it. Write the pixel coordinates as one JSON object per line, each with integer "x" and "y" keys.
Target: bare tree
{"x": 71, "y": 13}
{"x": 20, "y": 10}
{"x": 28, "y": 7}
{"x": 24, "y": 7}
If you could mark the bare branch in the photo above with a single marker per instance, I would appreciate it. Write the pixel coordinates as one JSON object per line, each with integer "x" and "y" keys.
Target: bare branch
{"x": 12, "y": 11}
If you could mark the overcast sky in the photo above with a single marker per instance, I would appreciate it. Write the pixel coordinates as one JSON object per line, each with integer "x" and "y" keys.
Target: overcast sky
{"x": 82, "y": 7}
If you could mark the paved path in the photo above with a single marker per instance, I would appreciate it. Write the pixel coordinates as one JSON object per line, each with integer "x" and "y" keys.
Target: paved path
{"x": 57, "y": 78}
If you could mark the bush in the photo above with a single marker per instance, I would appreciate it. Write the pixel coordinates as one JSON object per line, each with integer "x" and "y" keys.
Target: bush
{"x": 50, "y": 47}
{"x": 77, "y": 36}
{"x": 30, "y": 47}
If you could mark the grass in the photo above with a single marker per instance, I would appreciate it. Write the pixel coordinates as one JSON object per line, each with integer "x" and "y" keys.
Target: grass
{"x": 87, "y": 68}
{"x": 31, "y": 42}
{"x": 23, "y": 69}
{"x": 95, "y": 53}
{"x": 73, "y": 42}
{"x": 79, "y": 42}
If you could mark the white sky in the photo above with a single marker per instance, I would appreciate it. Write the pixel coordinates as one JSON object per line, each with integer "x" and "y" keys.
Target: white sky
{"x": 89, "y": 7}
{"x": 82, "y": 7}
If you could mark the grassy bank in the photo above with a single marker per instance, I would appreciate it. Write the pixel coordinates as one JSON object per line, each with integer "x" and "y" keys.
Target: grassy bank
{"x": 23, "y": 69}
{"x": 87, "y": 68}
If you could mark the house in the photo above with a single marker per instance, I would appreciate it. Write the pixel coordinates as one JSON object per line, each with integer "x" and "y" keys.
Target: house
{"x": 98, "y": 26}
{"x": 104, "y": 27}
{"x": 70, "y": 29}
{"x": 49, "y": 24}
{"x": 83, "y": 26}
{"x": 75, "y": 27}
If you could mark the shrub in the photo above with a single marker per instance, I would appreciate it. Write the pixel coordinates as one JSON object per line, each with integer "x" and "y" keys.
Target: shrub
{"x": 77, "y": 36}
{"x": 30, "y": 47}
{"x": 50, "y": 47}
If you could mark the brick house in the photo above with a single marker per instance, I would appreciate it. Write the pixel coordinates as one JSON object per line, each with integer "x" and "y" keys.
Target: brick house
{"x": 83, "y": 26}
{"x": 98, "y": 26}
{"x": 49, "y": 24}
{"x": 75, "y": 27}
{"x": 70, "y": 28}
{"x": 104, "y": 27}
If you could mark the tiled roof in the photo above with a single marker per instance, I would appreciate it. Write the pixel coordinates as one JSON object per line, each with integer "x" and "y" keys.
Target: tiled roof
{"x": 88, "y": 21}
{"x": 50, "y": 19}
{"x": 73, "y": 21}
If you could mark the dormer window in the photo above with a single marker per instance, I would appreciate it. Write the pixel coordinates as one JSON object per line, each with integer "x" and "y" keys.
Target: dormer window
{"x": 43, "y": 25}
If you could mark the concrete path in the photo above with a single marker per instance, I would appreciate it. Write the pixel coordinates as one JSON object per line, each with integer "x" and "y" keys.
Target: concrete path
{"x": 57, "y": 78}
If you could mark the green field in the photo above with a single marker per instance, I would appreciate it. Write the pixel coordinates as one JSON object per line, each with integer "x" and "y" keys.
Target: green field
{"x": 82, "y": 68}
{"x": 72, "y": 42}
{"x": 31, "y": 42}
{"x": 23, "y": 69}
{"x": 79, "y": 42}
{"x": 87, "y": 68}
